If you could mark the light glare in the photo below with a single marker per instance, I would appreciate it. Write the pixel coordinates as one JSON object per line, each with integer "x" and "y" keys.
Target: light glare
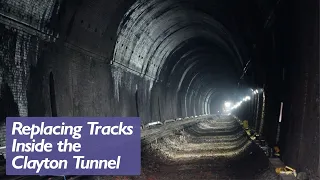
{"x": 227, "y": 104}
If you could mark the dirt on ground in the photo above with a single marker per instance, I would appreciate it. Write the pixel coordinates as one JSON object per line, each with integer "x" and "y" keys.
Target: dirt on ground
{"x": 210, "y": 150}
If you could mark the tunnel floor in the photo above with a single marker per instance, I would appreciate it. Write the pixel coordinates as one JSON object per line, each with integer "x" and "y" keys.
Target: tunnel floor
{"x": 209, "y": 149}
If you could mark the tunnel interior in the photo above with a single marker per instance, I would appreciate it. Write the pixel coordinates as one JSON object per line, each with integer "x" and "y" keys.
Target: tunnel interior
{"x": 170, "y": 59}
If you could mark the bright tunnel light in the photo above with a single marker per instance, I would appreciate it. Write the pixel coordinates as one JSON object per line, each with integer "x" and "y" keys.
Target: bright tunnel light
{"x": 227, "y": 104}
{"x": 247, "y": 98}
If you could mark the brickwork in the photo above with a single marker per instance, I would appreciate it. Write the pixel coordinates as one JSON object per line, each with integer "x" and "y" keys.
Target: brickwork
{"x": 35, "y": 13}
{"x": 18, "y": 22}
{"x": 2, "y": 134}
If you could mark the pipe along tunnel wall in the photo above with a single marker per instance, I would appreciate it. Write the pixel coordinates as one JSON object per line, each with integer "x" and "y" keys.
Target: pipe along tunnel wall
{"x": 166, "y": 59}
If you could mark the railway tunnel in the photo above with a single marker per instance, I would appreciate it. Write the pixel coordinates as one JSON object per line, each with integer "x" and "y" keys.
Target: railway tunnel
{"x": 185, "y": 60}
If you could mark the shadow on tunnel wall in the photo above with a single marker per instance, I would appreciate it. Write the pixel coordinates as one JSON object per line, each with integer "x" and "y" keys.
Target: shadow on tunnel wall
{"x": 36, "y": 106}
{"x": 52, "y": 96}
{"x": 298, "y": 26}
{"x": 8, "y": 108}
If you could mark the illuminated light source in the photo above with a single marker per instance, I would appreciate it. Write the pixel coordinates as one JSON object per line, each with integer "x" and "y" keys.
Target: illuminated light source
{"x": 227, "y": 104}
{"x": 247, "y": 98}
{"x": 238, "y": 104}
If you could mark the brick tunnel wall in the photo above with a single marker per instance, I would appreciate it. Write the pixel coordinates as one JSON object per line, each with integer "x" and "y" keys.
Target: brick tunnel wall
{"x": 86, "y": 82}
{"x": 300, "y": 137}
{"x": 14, "y": 70}
{"x": 298, "y": 86}
{"x": 23, "y": 25}
{"x": 292, "y": 77}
